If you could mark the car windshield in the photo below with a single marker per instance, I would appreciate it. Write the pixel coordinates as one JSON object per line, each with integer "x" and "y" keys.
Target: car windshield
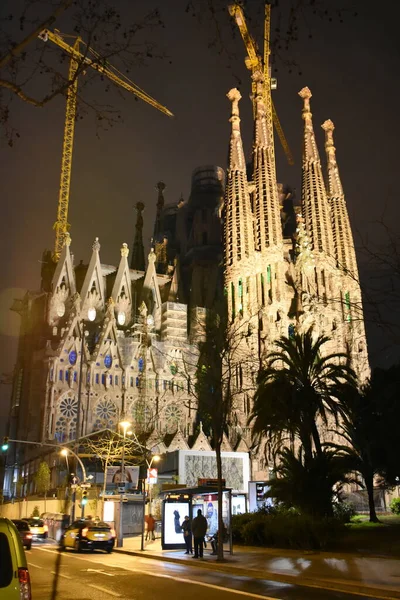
{"x": 98, "y": 525}
{"x": 35, "y": 522}
{"x": 89, "y": 524}
{"x": 21, "y": 525}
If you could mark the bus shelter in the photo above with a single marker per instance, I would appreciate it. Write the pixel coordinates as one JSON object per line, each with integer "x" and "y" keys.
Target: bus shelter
{"x": 181, "y": 502}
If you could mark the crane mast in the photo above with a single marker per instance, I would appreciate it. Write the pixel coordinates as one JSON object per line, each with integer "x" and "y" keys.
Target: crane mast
{"x": 61, "y": 225}
{"x": 255, "y": 63}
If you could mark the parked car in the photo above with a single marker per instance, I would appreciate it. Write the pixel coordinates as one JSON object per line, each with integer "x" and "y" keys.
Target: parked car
{"x": 39, "y": 529}
{"x": 88, "y": 535}
{"x": 24, "y": 532}
{"x": 15, "y": 582}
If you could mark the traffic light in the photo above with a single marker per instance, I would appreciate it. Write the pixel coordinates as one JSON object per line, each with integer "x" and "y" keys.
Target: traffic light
{"x": 4, "y": 447}
{"x": 84, "y": 497}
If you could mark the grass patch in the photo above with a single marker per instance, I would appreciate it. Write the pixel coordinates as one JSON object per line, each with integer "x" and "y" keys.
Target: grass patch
{"x": 363, "y": 537}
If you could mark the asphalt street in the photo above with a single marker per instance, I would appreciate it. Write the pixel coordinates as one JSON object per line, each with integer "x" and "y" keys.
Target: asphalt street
{"x": 99, "y": 576}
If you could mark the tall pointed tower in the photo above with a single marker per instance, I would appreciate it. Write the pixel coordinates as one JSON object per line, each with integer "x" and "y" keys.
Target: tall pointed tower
{"x": 238, "y": 226}
{"x": 342, "y": 235}
{"x": 315, "y": 207}
{"x": 268, "y": 228}
{"x": 268, "y": 236}
{"x": 349, "y": 287}
{"x": 137, "y": 260}
{"x": 317, "y": 217}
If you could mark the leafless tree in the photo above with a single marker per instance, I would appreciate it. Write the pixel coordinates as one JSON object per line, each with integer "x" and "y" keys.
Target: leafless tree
{"x": 36, "y": 72}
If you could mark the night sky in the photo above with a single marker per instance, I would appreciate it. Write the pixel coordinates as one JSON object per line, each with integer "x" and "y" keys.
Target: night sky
{"x": 351, "y": 68}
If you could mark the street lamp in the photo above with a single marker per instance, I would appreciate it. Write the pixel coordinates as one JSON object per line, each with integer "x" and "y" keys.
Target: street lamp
{"x": 154, "y": 458}
{"x": 65, "y": 452}
{"x": 91, "y": 315}
{"x": 120, "y": 540}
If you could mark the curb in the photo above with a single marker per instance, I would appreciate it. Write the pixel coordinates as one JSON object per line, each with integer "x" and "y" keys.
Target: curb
{"x": 337, "y": 585}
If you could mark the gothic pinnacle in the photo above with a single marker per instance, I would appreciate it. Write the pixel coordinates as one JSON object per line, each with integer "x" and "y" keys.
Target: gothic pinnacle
{"x": 237, "y": 160}
{"x": 334, "y": 183}
{"x": 137, "y": 259}
{"x": 342, "y": 235}
{"x": 315, "y": 206}
{"x": 238, "y": 232}
{"x": 306, "y": 94}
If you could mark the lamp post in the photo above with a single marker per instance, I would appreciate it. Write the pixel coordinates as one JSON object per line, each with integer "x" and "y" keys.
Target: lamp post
{"x": 120, "y": 540}
{"x": 91, "y": 315}
{"x": 65, "y": 452}
{"x": 154, "y": 458}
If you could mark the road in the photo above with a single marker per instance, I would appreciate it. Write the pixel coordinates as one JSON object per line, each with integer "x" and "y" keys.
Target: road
{"x": 101, "y": 576}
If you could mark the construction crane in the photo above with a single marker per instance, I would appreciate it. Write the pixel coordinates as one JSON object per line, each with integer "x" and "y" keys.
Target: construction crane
{"x": 255, "y": 63}
{"x": 78, "y": 59}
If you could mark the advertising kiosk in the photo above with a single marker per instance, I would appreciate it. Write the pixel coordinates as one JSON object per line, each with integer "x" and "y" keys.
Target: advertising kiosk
{"x": 179, "y": 503}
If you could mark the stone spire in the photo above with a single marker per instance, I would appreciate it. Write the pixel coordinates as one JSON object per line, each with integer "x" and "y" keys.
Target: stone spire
{"x": 342, "y": 234}
{"x": 266, "y": 199}
{"x": 315, "y": 207}
{"x": 159, "y": 208}
{"x": 238, "y": 233}
{"x": 137, "y": 260}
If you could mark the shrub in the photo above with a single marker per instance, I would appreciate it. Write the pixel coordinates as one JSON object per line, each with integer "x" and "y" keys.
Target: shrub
{"x": 395, "y": 506}
{"x": 284, "y": 528}
{"x": 344, "y": 511}
{"x": 35, "y": 512}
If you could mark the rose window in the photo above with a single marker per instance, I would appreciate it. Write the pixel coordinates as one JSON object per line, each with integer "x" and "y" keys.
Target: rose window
{"x": 173, "y": 414}
{"x": 106, "y": 409}
{"x": 69, "y": 407}
{"x": 141, "y": 412}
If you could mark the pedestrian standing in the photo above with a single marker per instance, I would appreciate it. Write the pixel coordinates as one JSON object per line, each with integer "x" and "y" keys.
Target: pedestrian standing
{"x": 187, "y": 535}
{"x": 151, "y": 525}
{"x": 199, "y": 530}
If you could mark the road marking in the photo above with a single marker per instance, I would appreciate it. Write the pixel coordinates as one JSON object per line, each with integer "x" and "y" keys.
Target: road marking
{"x": 209, "y": 585}
{"x": 365, "y": 593}
{"x": 97, "y": 587}
{"x": 174, "y": 578}
{"x": 61, "y": 575}
{"x": 31, "y": 564}
{"x": 98, "y": 571}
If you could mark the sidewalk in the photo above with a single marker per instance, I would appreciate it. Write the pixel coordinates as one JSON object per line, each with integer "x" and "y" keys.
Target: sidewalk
{"x": 374, "y": 577}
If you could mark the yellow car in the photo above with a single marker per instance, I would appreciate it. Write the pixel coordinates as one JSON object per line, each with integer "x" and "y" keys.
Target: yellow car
{"x": 15, "y": 582}
{"x": 39, "y": 529}
{"x": 88, "y": 535}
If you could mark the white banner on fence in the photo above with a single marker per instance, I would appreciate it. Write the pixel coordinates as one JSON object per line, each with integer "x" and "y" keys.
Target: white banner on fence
{"x": 115, "y": 476}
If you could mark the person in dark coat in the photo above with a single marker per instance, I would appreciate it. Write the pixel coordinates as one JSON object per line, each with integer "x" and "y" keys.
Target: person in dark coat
{"x": 199, "y": 530}
{"x": 187, "y": 535}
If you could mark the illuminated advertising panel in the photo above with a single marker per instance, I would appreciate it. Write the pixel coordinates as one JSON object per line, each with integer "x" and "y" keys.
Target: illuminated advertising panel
{"x": 174, "y": 514}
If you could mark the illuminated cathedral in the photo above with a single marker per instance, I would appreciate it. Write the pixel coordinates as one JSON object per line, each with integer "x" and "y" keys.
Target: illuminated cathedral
{"x": 103, "y": 342}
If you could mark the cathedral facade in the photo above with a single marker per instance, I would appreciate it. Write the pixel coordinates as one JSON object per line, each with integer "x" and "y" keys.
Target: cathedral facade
{"x": 101, "y": 343}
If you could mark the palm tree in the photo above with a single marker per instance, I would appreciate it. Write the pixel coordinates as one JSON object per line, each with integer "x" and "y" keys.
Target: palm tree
{"x": 360, "y": 428}
{"x": 298, "y": 386}
{"x": 309, "y": 485}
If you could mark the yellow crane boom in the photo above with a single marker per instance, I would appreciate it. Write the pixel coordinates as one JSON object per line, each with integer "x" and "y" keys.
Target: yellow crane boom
{"x": 77, "y": 58}
{"x": 255, "y": 63}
